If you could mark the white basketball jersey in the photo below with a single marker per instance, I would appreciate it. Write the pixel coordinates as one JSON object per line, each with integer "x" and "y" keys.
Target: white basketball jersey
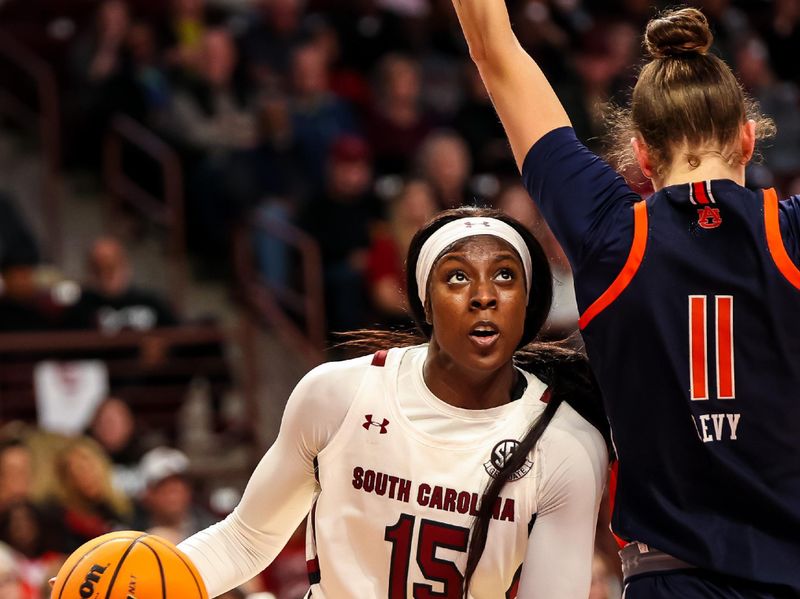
{"x": 393, "y": 514}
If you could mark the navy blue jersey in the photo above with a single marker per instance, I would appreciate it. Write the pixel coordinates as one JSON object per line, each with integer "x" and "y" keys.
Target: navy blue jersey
{"x": 690, "y": 306}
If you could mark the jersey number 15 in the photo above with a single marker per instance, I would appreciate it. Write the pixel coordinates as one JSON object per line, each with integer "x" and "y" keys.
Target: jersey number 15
{"x": 432, "y": 535}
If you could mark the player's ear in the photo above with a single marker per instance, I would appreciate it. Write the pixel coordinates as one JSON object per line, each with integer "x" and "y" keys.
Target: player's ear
{"x": 748, "y": 140}
{"x": 642, "y": 154}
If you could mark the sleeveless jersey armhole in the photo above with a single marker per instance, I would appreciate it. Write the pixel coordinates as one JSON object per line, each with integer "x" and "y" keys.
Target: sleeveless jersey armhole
{"x": 775, "y": 244}
{"x": 628, "y": 271}
{"x": 369, "y": 374}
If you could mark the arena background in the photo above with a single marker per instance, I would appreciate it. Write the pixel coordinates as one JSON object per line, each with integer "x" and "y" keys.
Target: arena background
{"x": 195, "y": 194}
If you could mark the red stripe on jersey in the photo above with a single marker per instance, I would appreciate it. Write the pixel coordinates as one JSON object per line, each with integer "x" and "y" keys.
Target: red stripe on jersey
{"x": 628, "y": 271}
{"x": 698, "y": 347}
{"x": 312, "y": 566}
{"x": 513, "y": 590}
{"x": 546, "y": 396}
{"x": 379, "y": 359}
{"x": 775, "y": 240}
{"x": 726, "y": 386}
{"x": 699, "y": 190}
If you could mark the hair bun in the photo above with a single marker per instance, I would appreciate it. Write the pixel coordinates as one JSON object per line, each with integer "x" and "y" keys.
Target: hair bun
{"x": 678, "y": 33}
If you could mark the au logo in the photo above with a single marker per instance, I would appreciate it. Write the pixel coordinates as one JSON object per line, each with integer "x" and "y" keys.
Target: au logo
{"x": 709, "y": 218}
{"x": 500, "y": 455}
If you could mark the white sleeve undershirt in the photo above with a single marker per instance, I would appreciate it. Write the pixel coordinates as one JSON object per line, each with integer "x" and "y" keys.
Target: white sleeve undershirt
{"x": 282, "y": 487}
{"x": 561, "y": 544}
{"x": 281, "y": 490}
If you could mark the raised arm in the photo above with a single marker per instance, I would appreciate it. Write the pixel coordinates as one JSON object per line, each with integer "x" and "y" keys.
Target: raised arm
{"x": 522, "y": 96}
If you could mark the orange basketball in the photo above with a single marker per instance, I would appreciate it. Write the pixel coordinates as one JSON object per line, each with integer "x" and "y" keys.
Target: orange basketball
{"x": 128, "y": 565}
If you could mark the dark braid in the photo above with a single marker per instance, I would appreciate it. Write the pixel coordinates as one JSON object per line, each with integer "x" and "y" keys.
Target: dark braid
{"x": 570, "y": 380}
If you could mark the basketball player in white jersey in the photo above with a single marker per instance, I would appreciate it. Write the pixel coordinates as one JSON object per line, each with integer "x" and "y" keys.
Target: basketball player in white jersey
{"x": 442, "y": 468}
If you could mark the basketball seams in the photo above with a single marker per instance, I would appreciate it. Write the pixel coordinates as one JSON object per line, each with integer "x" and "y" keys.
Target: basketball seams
{"x": 119, "y": 564}
{"x": 83, "y": 557}
{"x": 160, "y": 570}
{"x": 129, "y": 556}
{"x": 188, "y": 565}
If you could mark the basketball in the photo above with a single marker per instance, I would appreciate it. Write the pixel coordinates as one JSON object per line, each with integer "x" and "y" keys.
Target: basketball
{"x": 128, "y": 565}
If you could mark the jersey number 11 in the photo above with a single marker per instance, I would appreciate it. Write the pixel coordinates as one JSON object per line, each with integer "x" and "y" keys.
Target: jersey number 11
{"x": 698, "y": 346}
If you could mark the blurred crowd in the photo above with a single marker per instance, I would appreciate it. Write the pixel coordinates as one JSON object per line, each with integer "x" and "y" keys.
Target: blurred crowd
{"x": 357, "y": 120}
{"x": 59, "y": 491}
{"x": 352, "y": 120}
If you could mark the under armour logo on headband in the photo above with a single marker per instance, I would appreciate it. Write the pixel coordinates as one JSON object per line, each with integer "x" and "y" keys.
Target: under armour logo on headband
{"x": 463, "y": 228}
{"x": 469, "y": 224}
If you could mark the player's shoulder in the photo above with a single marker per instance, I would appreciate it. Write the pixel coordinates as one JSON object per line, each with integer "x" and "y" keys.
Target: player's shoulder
{"x": 337, "y": 377}
{"x": 570, "y": 436}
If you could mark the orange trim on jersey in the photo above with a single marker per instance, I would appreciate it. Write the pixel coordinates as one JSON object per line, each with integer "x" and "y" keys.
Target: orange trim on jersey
{"x": 613, "y": 475}
{"x": 775, "y": 240}
{"x": 628, "y": 271}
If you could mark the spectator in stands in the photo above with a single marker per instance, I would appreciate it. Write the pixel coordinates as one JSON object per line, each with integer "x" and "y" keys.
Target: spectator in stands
{"x": 168, "y": 505}
{"x": 110, "y": 302}
{"x": 11, "y": 586}
{"x": 16, "y": 472}
{"x": 25, "y": 304}
{"x": 780, "y": 100}
{"x": 409, "y": 210}
{"x": 597, "y": 68}
{"x": 26, "y": 529}
{"x": 213, "y": 121}
{"x": 274, "y": 30}
{"x": 210, "y": 110}
{"x": 115, "y": 429}
{"x": 318, "y": 116}
{"x": 368, "y": 32}
{"x": 97, "y": 70}
{"x": 781, "y": 33}
{"x": 477, "y": 122}
{"x": 443, "y": 161}
{"x": 85, "y": 499}
{"x": 183, "y": 33}
{"x": 345, "y": 80}
{"x": 277, "y": 157}
{"x": 339, "y": 219}
{"x": 281, "y": 186}
{"x": 398, "y": 124}
{"x": 149, "y": 93}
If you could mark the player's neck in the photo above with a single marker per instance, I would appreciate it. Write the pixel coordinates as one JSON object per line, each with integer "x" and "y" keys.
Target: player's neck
{"x": 465, "y": 388}
{"x": 710, "y": 168}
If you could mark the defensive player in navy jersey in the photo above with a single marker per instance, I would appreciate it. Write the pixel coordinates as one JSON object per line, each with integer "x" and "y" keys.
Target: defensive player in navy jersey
{"x": 690, "y": 306}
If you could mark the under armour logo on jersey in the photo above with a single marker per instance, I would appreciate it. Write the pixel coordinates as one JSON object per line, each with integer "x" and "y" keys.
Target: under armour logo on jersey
{"x": 501, "y": 454}
{"x": 709, "y": 218}
{"x": 370, "y": 423}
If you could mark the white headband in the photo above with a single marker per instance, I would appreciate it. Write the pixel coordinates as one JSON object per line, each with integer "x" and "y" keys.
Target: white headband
{"x": 461, "y": 229}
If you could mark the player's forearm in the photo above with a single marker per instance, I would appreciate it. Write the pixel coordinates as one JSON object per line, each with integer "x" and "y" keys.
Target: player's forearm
{"x": 522, "y": 96}
{"x": 487, "y": 29}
